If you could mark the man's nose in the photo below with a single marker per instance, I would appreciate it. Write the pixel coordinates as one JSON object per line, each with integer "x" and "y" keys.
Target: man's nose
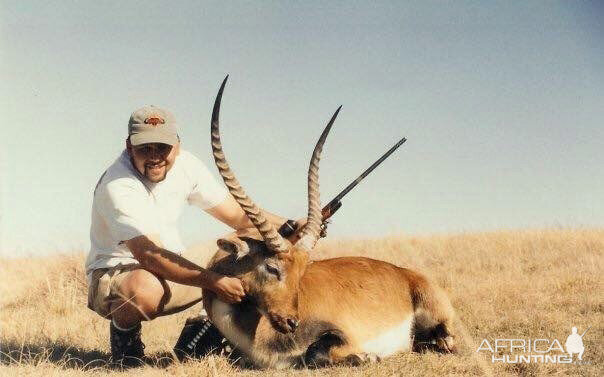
{"x": 154, "y": 153}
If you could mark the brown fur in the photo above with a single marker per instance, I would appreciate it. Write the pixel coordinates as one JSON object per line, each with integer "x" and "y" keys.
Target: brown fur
{"x": 340, "y": 304}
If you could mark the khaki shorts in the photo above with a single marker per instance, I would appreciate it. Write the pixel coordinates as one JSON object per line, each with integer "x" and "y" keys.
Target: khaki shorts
{"x": 104, "y": 290}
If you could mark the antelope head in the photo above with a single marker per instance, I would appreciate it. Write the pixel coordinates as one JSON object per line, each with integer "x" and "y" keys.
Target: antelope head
{"x": 269, "y": 265}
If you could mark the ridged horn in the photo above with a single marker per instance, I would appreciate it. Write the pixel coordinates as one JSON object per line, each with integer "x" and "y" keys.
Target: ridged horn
{"x": 311, "y": 232}
{"x": 272, "y": 238}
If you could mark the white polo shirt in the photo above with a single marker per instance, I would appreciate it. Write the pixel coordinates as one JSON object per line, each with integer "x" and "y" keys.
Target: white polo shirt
{"x": 126, "y": 205}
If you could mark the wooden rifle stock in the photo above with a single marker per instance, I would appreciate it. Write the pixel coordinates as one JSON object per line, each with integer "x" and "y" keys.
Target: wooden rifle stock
{"x": 330, "y": 209}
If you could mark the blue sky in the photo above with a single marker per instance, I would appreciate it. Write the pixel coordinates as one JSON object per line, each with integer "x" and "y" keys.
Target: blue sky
{"x": 502, "y": 104}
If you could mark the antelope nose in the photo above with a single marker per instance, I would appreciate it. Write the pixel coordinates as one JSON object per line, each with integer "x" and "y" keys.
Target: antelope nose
{"x": 293, "y": 323}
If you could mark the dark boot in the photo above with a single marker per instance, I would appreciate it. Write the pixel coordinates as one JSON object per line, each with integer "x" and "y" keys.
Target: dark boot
{"x": 127, "y": 349}
{"x": 199, "y": 338}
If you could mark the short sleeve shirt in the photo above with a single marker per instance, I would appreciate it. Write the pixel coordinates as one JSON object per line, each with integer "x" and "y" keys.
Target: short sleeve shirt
{"x": 126, "y": 205}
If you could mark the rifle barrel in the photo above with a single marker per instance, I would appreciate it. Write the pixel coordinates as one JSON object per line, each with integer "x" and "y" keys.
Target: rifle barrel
{"x": 369, "y": 170}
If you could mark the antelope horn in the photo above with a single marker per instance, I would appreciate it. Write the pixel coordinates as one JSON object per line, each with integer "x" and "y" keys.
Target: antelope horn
{"x": 312, "y": 230}
{"x": 273, "y": 240}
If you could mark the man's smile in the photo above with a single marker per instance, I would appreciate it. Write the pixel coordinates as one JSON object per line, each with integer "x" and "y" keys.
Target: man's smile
{"x": 155, "y": 166}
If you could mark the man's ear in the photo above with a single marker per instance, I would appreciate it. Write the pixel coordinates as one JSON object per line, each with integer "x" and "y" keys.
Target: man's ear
{"x": 129, "y": 146}
{"x": 234, "y": 246}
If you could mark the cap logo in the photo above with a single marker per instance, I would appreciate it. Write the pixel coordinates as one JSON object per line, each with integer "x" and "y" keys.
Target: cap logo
{"x": 154, "y": 121}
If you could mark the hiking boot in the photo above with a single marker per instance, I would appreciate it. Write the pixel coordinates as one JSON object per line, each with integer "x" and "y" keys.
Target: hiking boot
{"x": 127, "y": 349}
{"x": 199, "y": 338}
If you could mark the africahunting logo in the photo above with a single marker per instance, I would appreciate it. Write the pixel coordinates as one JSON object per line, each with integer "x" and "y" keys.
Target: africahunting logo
{"x": 514, "y": 351}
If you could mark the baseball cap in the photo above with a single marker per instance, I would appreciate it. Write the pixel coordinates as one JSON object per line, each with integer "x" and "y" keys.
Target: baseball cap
{"x": 150, "y": 124}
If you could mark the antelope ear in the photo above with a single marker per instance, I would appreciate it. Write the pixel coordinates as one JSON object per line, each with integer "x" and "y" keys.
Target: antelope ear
{"x": 234, "y": 246}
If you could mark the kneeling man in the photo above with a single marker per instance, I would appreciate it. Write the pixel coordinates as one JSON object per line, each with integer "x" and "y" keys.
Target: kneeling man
{"x": 135, "y": 267}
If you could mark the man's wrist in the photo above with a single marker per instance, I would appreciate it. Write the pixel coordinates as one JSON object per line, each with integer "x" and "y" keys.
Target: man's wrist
{"x": 207, "y": 279}
{"x": 288, "y": 228}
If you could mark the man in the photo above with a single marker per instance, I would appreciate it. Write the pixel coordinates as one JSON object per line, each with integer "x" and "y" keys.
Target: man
{"x": 135, "y": 268}
{"x": 574, "y": 343}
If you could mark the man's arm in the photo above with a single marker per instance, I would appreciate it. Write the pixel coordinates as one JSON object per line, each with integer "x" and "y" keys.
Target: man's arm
{"x": 173, "y": 267}
{"x": 230, "y": 213}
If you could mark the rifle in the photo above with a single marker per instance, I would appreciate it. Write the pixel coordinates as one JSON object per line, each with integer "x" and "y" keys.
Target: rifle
{"x": 289, "y": 227}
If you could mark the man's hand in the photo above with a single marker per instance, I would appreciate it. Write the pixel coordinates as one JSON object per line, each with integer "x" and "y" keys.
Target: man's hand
{"x": 324, "y": 224}
{"x": 229, "y": 290}
{"x": 300, "y": 224}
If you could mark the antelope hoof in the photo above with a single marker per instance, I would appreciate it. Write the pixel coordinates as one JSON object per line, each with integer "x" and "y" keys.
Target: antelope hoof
{"x": 445, "y": 345}
{"x": 356, "y": 359}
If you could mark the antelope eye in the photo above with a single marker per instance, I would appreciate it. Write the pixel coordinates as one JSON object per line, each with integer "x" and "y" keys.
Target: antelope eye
{"x": 273, "y": 270}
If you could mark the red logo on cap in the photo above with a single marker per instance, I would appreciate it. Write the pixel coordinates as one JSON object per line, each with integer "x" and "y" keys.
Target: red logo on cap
{"x": 154, "y": 121}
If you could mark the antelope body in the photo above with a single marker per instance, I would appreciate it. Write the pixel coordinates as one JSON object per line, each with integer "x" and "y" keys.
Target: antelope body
{"x": 299, "y": 312}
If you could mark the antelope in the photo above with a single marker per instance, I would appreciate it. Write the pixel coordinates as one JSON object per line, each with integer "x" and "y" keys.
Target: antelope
{"x": 303, "y": 313}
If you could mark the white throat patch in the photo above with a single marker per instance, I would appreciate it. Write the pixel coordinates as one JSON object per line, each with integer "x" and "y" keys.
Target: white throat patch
{"x": 223, "y": 313}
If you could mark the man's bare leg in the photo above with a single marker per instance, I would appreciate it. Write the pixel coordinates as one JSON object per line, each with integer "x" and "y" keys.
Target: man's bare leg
{"x": 142, "y": 297}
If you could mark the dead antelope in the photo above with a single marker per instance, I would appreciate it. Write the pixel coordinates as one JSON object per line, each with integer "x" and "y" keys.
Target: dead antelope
{"x": 299, "y": 312}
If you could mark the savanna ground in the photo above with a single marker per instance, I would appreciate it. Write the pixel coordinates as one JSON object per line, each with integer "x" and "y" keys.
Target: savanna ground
{"x": 511, "y": 284}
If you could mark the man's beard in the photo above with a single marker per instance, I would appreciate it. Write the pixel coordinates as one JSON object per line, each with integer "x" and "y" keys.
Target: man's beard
{"x": 147, "y": 174}
{"x": 154, "y": 178}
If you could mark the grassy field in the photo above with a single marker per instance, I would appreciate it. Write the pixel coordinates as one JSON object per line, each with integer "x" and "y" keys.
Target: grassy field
{"x": 511, "y": 284}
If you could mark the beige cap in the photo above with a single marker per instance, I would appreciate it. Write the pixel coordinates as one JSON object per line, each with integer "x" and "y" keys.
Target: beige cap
{"x": 150, "y": 124}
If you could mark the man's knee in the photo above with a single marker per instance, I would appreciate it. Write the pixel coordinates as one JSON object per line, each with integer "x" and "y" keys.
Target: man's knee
{"x": 143, "y": 292}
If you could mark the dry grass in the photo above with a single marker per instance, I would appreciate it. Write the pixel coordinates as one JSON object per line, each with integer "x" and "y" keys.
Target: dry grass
{"x": 522, "y": 284}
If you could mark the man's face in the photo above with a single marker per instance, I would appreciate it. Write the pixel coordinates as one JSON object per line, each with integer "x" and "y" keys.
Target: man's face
{"x": 153, "y": 160}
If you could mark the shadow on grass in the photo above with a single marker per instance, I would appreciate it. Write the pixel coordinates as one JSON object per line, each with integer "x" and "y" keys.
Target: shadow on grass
{"x": 66, "y": 356}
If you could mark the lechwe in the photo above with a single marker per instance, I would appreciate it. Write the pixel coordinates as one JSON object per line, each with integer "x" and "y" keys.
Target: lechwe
{"x": 299, "y": 312}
